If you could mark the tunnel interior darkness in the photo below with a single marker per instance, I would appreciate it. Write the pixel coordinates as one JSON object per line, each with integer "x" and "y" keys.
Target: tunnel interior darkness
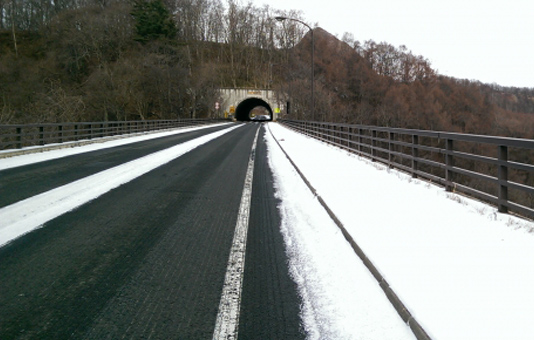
{"x": 242, "y": 112}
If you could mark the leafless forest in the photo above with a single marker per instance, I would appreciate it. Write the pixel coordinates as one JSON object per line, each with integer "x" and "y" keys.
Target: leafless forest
{"x": 95, "y": 60}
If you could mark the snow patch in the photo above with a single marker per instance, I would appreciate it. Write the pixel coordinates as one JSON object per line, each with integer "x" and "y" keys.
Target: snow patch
{"x": 463, "y": 270}
{"x": 340, "y": 297}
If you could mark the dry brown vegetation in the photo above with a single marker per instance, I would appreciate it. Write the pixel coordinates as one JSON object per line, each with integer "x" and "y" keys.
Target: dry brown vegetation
{"x": 99, "y": 60}
{"x": 378, "y": 84}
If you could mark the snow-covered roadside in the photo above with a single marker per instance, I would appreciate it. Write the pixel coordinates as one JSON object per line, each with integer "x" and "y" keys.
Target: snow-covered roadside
{"x": 22, "y": 217}
{"x": 69, "y": 148}
{"x": 463, "y": 270}
{"x": 341, "y": 299}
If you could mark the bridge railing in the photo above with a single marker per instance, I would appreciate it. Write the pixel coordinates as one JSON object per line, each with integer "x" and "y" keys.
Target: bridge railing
{"x": 496, "y": 170}
{"x": 16, "y": 136}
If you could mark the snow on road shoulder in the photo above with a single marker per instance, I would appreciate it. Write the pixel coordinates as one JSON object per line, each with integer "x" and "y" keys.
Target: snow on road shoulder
{"x": 341, "y": 299}
{"x": 24, "y": 216}
{"x": 462, "y": 269}
{"x": 69, "y": 150}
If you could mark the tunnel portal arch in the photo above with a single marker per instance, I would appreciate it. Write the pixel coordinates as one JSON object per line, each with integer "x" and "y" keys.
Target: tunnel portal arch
{"x": 237, "y": 103}
{"x": 242, "y": 111}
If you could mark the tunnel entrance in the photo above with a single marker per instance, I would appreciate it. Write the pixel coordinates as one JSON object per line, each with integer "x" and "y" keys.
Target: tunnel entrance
{"x": 253, "y": 109}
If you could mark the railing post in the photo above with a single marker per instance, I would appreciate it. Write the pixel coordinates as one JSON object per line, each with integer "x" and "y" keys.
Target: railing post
{"x": 60, "y": 133}
{"x": 360, "y": 140}
{"x": 415, "y": 155}
{"x": 503, "y": 179}
{"x": 373, "y": 145}
{"x": 41, "y": 135}
{"x": 350, "y": 134}
{"x": 449, "y": 162}
{"x": 391, "y": 148}
{"x": 19, "y": 137}
{"x": 333, "y": 134}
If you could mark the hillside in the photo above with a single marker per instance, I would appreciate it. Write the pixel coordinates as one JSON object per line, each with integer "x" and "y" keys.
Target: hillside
{"x": 378, "y": 84}
{"x": 154, "y": 60}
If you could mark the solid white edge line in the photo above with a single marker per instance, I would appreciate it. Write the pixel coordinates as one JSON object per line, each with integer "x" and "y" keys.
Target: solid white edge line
{"x": 227, "y": 323}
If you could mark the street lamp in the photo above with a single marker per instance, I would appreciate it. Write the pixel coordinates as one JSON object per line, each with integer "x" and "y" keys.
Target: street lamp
{"x": 312, "y": 60}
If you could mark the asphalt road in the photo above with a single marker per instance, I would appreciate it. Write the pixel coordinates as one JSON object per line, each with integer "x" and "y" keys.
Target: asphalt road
{"x": 148, "y": 259}
{"x": 22, "y": 182}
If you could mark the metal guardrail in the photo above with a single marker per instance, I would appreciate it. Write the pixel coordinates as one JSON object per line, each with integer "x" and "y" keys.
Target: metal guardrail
{"x": 496, "y": 170}
{"x": 15, "y": 136}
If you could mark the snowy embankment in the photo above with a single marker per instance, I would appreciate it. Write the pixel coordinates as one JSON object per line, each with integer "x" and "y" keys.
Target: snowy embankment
{"x": 463, "y": 270}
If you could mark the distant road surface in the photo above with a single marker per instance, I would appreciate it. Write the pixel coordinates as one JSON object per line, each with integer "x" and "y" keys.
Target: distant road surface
{"x": 148, "y": 259}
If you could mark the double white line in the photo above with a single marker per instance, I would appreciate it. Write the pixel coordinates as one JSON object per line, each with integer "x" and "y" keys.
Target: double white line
{"x": 227, "y": 324}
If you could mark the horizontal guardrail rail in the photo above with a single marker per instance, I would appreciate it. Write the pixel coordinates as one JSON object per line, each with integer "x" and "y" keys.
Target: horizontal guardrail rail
{"x": 15, "y": 136}
{"x": 496, "y": 170}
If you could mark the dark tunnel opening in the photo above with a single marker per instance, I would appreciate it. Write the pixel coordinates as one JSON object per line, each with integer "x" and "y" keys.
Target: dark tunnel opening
{"x": 245, "y": 109}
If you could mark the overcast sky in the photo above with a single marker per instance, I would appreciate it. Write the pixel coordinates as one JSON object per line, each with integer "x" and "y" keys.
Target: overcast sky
{"x": 486, "y": 40}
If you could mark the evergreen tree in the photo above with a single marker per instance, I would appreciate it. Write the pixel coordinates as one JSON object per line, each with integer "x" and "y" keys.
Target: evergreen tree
{"x": 152, "y": 21}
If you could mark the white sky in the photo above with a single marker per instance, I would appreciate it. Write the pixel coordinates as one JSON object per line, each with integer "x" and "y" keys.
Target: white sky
{"x": 486, "y": 40}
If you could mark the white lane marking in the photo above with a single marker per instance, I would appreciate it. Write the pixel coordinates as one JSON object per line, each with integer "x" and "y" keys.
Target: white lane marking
{"x": 24, "y": 216}
{"x": 37, "y": 154}
{"x": 226, "y": 326}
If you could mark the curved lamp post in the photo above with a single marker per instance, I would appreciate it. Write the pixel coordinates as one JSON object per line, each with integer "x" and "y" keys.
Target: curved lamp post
{"x": 312, "y": 60}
